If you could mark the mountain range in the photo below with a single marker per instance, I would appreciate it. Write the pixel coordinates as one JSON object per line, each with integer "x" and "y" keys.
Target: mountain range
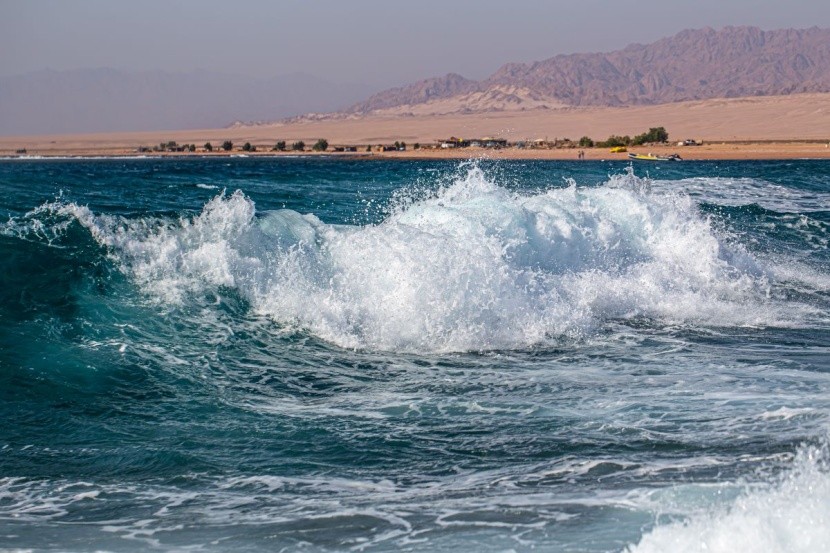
{"x": 691, "y": 65}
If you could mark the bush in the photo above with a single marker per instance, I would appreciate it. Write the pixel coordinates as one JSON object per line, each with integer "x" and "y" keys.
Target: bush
{"x": 654, "y": 134}
{"x": 247, "y": 147}
{"x": 416, "y": 146}
{"x": 369, "y": 148}
{"x": 298, "y": 146}
{"x": 280, "y": 146}
{"x": 586, "y": 142}
{"x": 208, "y": 147}
{"x": 614, "y": 141}
{"x": 192, "y": 148}
{"x": 227, "y": 145}
{"x": 321, "y": 145}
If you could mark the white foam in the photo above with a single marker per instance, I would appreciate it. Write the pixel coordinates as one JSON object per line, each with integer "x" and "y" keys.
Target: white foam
{"x": 474, "y": 267}
{"x": 791, "y": 515}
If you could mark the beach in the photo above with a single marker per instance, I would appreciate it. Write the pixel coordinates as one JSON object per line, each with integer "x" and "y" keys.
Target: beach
{"x": 778, "y": 127}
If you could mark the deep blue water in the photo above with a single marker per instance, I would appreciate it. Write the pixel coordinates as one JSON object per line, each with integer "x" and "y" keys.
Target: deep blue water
{"x": 331, "y": 355}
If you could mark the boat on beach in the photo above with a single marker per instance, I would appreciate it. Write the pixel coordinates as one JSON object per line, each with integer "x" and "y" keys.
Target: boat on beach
{"x": 652, "y": 157}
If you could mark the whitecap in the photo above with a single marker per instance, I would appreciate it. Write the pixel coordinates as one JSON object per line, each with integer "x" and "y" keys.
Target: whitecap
{"x": 791, "y": 514}
{"x": 472, "y": 267}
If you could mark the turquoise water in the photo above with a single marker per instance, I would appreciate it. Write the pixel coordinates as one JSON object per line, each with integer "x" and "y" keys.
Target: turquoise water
{"x": 332, "y": 355}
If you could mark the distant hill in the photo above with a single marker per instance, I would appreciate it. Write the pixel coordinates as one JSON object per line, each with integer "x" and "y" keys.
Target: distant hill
{"x": 105, "y": 100}
{"x": 691, "y": 65}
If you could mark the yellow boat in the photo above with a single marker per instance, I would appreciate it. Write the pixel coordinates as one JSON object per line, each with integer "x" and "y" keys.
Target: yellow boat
{"x": 652, "y": 157}
{"x": 619, "y": 149}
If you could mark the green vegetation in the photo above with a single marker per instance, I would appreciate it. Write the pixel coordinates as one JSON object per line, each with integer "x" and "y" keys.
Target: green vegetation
{"x": 416, "y": 146}
{"x": 279, "y": 146}
{"x": 298, "y": 146}
{"x": 227, "y": 145}
{"x": 654, "y": 135}
{"x": 208, "y": 147}
{"x": 321, "y": 145}
{"x": 248, "y": 148}
{"x": 586, "y": 142}
{"x": 173, "y": 146}
{"x": 613, "y": 141}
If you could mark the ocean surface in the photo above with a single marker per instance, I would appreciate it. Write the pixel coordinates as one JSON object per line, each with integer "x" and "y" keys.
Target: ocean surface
{"x": 246, "y": 355}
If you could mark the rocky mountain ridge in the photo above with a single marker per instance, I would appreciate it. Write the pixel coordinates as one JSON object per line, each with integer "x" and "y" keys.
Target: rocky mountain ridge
{"x": 691, "y": 65}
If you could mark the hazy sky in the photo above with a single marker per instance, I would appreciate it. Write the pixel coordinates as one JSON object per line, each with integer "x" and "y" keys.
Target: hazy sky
{"x": 379, "y": 42}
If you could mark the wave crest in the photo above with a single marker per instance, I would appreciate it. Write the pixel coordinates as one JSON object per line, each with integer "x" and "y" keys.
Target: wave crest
{"x": 474, "y": 267}
{"x": 792, "y": 515}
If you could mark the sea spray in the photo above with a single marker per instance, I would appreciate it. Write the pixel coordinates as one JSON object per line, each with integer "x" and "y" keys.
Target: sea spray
{"x": 790, "y": 514}
{"x": 473, "y": 267}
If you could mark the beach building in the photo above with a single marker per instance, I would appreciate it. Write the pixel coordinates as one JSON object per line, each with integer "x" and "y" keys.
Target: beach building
{"x": 490, "y": 142}
{"x": 486, "y": 142}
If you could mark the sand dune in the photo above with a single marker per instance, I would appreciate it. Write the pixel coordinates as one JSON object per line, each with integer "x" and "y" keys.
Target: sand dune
{"x": 494, "y": 99}
{"x": 794, "y": 117}
{"x": 803, "y": 116}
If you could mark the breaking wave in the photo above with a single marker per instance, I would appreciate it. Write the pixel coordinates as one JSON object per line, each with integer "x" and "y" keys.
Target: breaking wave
{"x": 472, "y": 267}
{"x": 791, "y": 514}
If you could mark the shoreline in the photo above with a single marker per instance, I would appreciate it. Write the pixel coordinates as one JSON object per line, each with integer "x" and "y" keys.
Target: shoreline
{"x": 724, "y": 151}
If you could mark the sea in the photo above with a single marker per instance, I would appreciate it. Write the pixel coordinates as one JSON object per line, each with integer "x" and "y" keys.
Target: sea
{"x": 326, "y": 354}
